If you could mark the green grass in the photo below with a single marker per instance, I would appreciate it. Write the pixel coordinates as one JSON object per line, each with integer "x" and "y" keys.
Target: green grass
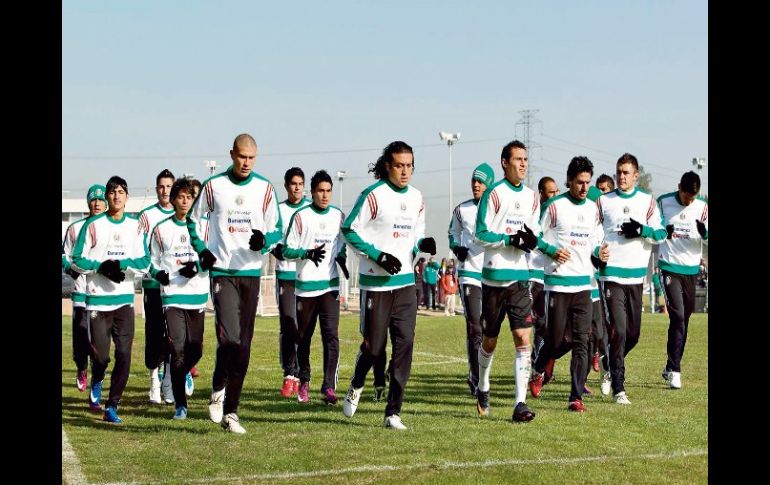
{"x": 445, "y": 442}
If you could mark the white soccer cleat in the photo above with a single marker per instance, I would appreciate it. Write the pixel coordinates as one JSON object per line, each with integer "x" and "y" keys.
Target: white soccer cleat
{"x": 189, "y": 385}
{"x": 394, "y": 422}
{"x": 350, "y": 404}
{"x": 675, "y": 381}
{"x": 621, "y": 398}
{"x": 231, "y": 424}
{"x": 216, "y": 406}
{"x": 606, "y": 384}
{"x": 154, "y": 387}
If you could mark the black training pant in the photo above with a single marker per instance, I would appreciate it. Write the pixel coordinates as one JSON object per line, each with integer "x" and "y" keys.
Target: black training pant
{"x": 289, "y": 333}
{"x": 326, "y": 308}
{"x": 680, "y": 300}
{"x": 471, "y": 296}
{"x": 623, "y": 309}
{"x": 116, "y": 325}
{"x": 185, "y": 332}
{"x": 156, "y": 348}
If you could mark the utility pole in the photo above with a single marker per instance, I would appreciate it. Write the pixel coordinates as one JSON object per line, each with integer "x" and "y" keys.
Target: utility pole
{"x": 528, "y": 118}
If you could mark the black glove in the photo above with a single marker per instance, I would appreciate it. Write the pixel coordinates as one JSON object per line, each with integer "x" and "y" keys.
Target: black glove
{"x": 277, "y": 251}
{"x": 528, "y": 239}
{"x": 669, "y": 230}
{"x": 189, "y": 269}
{"x": 701, "y": 228}
{"x": 461, "y": 252}
{"x": 207, "y": 259}
{"x": 72, "y": 273}
{"x": 389, "y": 263}
{"x": 598, "y": 263}
{"x": 515, "y": 241}
{"x": 109, "y": 267}
{"x": 162, "y": 277}
{"x": 257, "y": 240}
{"x": 316, "y": 255}
{"x": 428, "y": 245}
{"x": 341, "y": 261}
{"x": 631, "y": 229}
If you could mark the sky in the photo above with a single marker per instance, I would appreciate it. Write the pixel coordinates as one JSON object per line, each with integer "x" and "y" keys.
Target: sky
{"x": 149, "y": 85}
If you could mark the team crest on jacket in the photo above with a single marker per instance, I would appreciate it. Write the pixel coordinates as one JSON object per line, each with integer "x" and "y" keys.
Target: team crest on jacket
{"x": 183, "y": 239}
{"x": 626, "y": 210}
{"x": 517, "y": 204}
{"x": 580, "y": 217}
{"x": 682, "y": 216}
{"x": 116, "y": 237}
{"x": 239, "y": 200}
{"x": 403, "y": 206}
{"x": 322, "y": 226}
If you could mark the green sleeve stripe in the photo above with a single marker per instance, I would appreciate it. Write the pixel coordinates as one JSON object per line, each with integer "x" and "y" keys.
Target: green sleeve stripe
{"x": 195, "y": 240}
{"x": 546, "y": 248}
{"x": 140, "y": 264}
{"x": 293, "y": 253}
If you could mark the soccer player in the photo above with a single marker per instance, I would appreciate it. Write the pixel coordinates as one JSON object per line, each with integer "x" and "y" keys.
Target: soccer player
{"x": 547, "y": 189}
{"x": 572, "y": 233}
{"x": 387, "y": 227}
{"x": 285, "y": 274}
{"x": 244, "y": 225}
{"x": 462, "y": 227}
{"x": 507, "y": 226}
{"x": 156, "y": 349}
{"x": 97, "y": 203}
{"x": 314, "y": 231}
{"x": 600, "y": 328}
{"x": 686, "y": 217}
{"x": 631, "y": 222}
{"x": 108, "y": 246}
{"x": 184, "y": 290}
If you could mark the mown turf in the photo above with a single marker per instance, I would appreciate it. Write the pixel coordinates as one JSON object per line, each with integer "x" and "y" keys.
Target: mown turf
{"x": 662, "y": 436}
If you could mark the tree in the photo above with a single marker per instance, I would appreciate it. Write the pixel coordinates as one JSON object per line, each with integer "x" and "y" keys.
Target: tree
{"x": 645, "y": 180}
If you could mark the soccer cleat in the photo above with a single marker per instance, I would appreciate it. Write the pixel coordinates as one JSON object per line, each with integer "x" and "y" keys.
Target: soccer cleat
{"x": 330, "y": 397}
{"x": 606, "y": 384}
{"x": 181, "y": 413}
{"x": 302, "y": 395}
{"x": 189, "y": 385}
{"x": 536, "y": 384}
{"x": 577, "y": 406}
{"x": 482, "y": 403}
{"x": 666, "y": 374}
{"x": 621, "y": 398}
{"x": 82, "y": 380}
{"x": 350, "y": 404}
{"x": 379, "y": 391}
{"x": 522, "y": 414}
{"x": 587, "y": 390}
{"x": 111, "y": 415}
{"x": 595, "y": 362}
{"x": 394, "y": 422}
{"x": 231, "y": 423}
{"x": 216, "y": 405}
{"x": 548, "y": 376}
{"x": 95, "y": 396}
{"x": 194, "y": 372}
{"x": 294, "y": 386}
{"x": 165, "y": 387}
{"x": 154, "y": 387}
{"x": 676, "y": 380}
{"x": 287, "y": 390}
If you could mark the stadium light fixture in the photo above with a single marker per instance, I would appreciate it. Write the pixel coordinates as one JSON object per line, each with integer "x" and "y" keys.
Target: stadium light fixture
{"x": 450, "y": 139}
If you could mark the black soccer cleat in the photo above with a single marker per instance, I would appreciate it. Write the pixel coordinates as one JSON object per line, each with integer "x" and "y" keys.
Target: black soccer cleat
{"x": 482, "y": 403}
{"x": 522, "y": 414}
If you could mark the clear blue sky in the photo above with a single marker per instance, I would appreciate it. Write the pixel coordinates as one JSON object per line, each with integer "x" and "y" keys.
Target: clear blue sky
{"x": 148, "y": 85}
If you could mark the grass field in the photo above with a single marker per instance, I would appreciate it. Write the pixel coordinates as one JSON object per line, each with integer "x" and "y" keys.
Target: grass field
{"x": 661, "y": 437}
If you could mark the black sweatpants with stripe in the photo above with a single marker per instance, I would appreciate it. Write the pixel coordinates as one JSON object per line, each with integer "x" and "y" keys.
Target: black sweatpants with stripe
{"x": 156, "y": 347}
{"x": 116, "y": 326}
{"x": 538, "y": 317}
{"x": 326, "y": 308}
{"x": 623, "y": 309}
{"x": 568, "y": 318}
{"x": 680, "y": 300}
{"x": 81, "y": 346}
{"x": 185, "y": 333}
{"x": 235, "y": 307}
{"x": 471, "y": 296}
{"x": 289, "y": 333}
{"x": 383, "y": 311}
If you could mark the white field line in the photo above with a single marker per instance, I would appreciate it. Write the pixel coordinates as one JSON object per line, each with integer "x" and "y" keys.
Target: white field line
{"x": 440, "y": 465}
{"x": 70, "y": 466}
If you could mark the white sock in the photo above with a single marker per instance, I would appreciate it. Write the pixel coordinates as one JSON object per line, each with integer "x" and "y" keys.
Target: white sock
{"x": 154, "y": 373}
{"x": 521, "y": 369}
{"x": 485, "y": 364}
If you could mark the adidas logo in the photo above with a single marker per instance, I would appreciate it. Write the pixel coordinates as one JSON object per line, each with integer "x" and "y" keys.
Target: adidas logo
{"x": 371, "y": 270}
